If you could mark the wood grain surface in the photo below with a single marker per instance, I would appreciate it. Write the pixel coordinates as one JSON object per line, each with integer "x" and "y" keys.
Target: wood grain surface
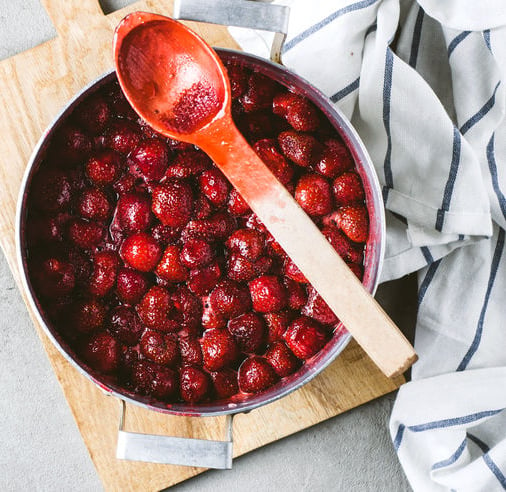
{"x": 35, "y": 85}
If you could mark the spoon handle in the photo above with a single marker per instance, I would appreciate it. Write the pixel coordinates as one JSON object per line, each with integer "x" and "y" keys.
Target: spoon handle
{"x": 308, "y": 248}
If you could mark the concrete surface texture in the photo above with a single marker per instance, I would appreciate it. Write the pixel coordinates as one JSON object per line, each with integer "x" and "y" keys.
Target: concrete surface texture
{"x": 41, "y": 448}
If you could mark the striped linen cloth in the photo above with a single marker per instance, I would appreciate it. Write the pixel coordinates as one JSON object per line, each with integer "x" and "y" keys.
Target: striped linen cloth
{"x": 424, "y": 84}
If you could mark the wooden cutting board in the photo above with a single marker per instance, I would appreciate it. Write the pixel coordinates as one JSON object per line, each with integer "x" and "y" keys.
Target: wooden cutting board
{"x": 35, "y": 86}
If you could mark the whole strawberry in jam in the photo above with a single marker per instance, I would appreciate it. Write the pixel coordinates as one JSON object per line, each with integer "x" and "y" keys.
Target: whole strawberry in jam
{"x": 149, "y": 160}
{"x": 256, "y": 374}
{"x": 314, "y": 195}
{"x": 134, "y": 212}
{"x": 219, "y": 349}
{"x": 173, "y": 203}
{"x": 141, "y": 251}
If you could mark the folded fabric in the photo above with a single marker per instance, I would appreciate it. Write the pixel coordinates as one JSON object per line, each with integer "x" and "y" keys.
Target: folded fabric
{"x": 424, "y": 85}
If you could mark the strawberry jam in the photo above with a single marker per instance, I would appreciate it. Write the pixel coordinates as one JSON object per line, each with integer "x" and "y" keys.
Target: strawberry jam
{"x": 152, "y": 267}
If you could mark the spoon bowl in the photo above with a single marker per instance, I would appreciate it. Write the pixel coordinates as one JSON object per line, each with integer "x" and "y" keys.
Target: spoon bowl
{"x": 170, "y": 76}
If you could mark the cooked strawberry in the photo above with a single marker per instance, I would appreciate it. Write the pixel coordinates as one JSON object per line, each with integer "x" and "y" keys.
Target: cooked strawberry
{"x": 85, "y": 234}
{"x": 335, "y": 159}
{"x": 165, "y": 234}
{"x": 259, "y": 94}
{"x": 268, "y": 294}
{"x": 102, "y": 352}
{"x": 348, "y": 189}
{"x": 277, "y": 323}
{"x": 210, "y": 317}
{"x": 255, "y": 375}
{"x": 314, "y": 195}
{"x": 103, "y": 277}
{"x": 93, "y": 204}
{"x": 354, "y": 222}
{"x": 131, "y": 285}
{"x": 87, "y": 316}
{"x": 297, "y": 110}
{"x": 170, "y": 267}
{"x": 318, "y": 309}
{"x": 282, "y": 359}
{"x": 51, "y": 191}
{"x": 219, "y": 349}
{"x": 149, "y": 160}
{"x": 291, "y": 270}
{"x": 156, "y": 309}
{"x": 194, "y": 384}
{"x": 160, "y": 347}
{"x": 124, "y": 184}
{"x": 248, "y": 330}
{"x": 296, "y": 293}
{"x": 240, "y": 269}
{"x": 173, "y": 203}
{"x": 141, "y": 251}
{"x": 196, "y": 253}
{"x": 236, "y": 204}
{"x": 81, "y": 266}
{"x": 267, "y": 150}
{"x": 246, "y": 242}
{"x": 230, "y": 299}
{"x": 122, "y": 136}
{"x": 104, "y": 167}
{"x": 305, "y": 337}
{"x": 150, "y": 378}
{"x": 238, "y": 77}
{"x": 72, "y": 146}
{"x": 217, "y": 227}
{"x": 190, "y": 351}
{"x": 163, "y": 383}
{"x": 224, "y": 383}
{"x": 188, "y": 309}
{"x": 94, "y": 115}
{"x": 301, "y": 148}
{"x": 202, "y": 209}
{"x": 125, "y": 325}
{"x": 214, "y": 186}
{"x": 54, "y": 277}
{"x": 188, "y": 163}
{"x": 203, "y": 280}
{"x": 346, "y": 249}
{"x": 133, "y": 212}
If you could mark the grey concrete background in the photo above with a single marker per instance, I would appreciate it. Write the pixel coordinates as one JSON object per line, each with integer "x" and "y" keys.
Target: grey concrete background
{"x": 41, "y": 449}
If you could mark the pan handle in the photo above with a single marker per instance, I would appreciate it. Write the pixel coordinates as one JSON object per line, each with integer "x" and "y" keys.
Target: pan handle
{"x": 171, "y": 450}
{"x": 239, "y": 13}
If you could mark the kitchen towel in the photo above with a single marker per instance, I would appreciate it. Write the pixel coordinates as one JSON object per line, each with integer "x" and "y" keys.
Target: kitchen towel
{"x": 424, "y": 84}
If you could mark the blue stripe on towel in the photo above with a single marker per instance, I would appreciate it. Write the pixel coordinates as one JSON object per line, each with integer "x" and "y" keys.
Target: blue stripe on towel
{"x": 466, "y": 419}
{"x": 438, "y": 424}
{"x": 486, "y": 37}
{"x": 345, "y": 91}
{"x": 481, "y": 113}
{"x": 493, "y": 173}
{"x": 324, "y": 22}
{"x": 454, "y": 166}
{"x": 453, "y": 458}
{"x": 456, "y": 41}
{"x": 415, "y": 44}
{"x": 499, "y": 247}
{"x": 387, "y": 93}
{"x": 398, "y": 436}
{"x": 427, "y": 255}
{"x": 495, "y": 470}
{"x": 371, "y": 29}
{"x": 427, "y": 280}
{"x": 483, "y": 446}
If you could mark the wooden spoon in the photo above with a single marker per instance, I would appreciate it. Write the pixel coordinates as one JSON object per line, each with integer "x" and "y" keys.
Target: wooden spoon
{"x": 177, "y": 83}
